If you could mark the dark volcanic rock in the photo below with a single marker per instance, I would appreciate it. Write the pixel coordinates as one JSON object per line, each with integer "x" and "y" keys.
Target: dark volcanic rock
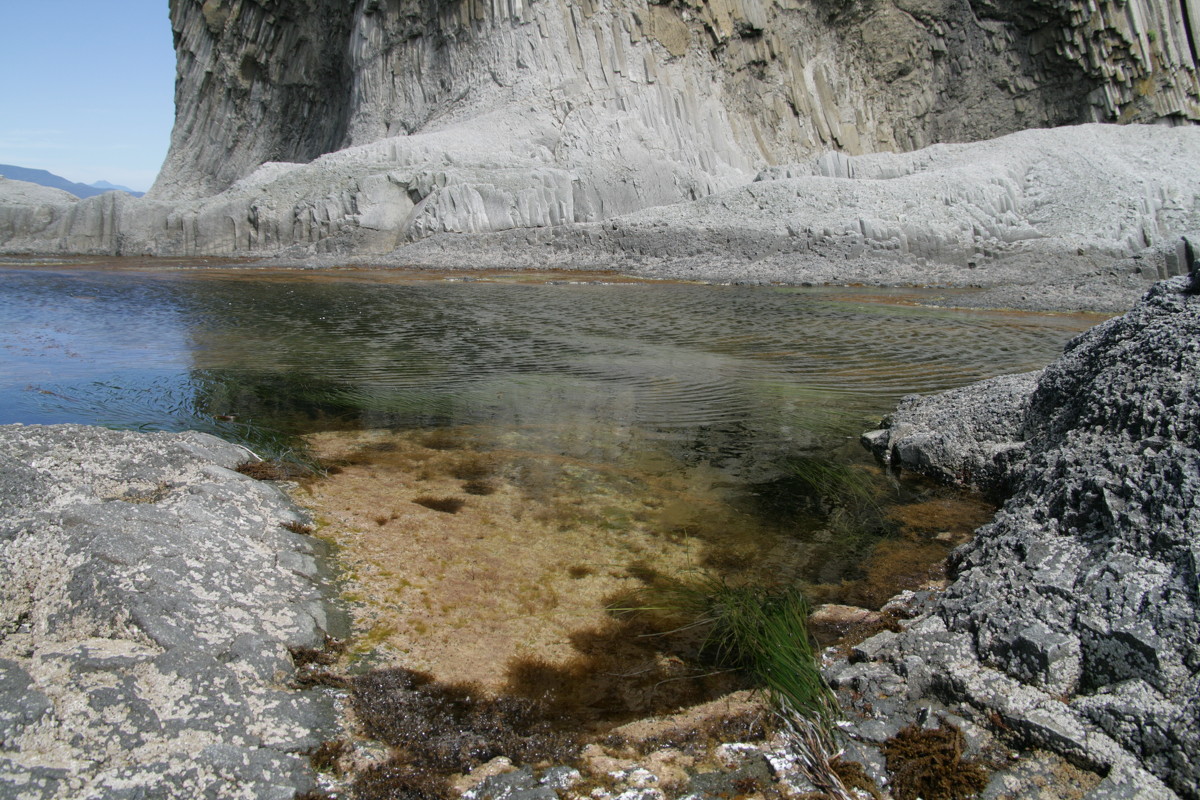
{"x": 1075, "y": 614}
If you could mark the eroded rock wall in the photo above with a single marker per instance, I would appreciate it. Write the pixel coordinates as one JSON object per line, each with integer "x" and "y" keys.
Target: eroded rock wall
{"x": 255, "y": 81}
{"x": 710, "y": 86}
{"x": 1074, "y": 618}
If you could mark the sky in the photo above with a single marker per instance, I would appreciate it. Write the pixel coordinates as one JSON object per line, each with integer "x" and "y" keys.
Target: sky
{"x": 87, "y": 88}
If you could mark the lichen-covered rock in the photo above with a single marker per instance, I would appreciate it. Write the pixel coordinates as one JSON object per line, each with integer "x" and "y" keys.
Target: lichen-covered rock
{"x": 148, "y": 598}
{"x": 1074, "y": 615}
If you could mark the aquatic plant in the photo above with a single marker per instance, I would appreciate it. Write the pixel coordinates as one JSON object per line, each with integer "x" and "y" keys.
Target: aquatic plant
{"x": 834, "y": 484}
{"x": 327, "y": 757}
{"x": 763, "y": 632}
{"x": 759, "y": 630}
{"x": 624, "y": 670}
{"x": 273, "y": 470}
{"x": 438, "y": 729}
{"x": 473, "y": 466}
{"x": 929, "y": 764}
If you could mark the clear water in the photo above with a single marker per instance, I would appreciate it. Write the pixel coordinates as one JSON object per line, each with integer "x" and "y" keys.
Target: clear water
{"x": 735, "y": 377}
{"x": 623, "y": 431}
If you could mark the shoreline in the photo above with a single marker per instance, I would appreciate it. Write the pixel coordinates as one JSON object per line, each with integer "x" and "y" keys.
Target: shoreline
{"x": 1076, "y": 217}
{"x": 1111, "y": 294}
{"x": 937, "y": 669}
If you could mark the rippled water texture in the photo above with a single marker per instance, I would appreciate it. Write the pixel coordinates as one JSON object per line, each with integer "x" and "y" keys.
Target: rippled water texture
{"x": 514, "y": 453}
{"x": 729, "y": 375}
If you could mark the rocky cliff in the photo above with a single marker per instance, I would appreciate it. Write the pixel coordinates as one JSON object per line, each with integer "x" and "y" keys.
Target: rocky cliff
{"x": 701, "y": 91}
{"x": 1074, "y": 620}
{"x": 314, "y": 126}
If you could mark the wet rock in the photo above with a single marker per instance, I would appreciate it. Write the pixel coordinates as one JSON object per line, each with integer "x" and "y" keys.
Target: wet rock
{"x": 519, "y": 784}
{"x": 1073, "y": 621}
{"x": 969, "y": 436}
{"x": 148, "y": 597}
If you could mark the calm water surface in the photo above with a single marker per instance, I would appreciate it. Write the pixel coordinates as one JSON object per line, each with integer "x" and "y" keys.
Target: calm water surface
{"x": 732, "y": 375}
{"x": 595, "y": 435}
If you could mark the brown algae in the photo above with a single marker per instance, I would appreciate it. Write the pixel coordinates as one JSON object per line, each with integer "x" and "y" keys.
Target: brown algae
{"x": 465, "y": 590}
{"x": 492, "y": 612}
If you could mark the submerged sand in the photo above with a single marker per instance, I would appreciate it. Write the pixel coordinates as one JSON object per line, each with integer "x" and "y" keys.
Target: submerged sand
{"x": 472, "y": 555}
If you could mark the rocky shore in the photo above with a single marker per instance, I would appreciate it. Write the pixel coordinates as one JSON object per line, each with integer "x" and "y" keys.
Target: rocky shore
{"x": 1073, "y": 620}
{"x": 154, "y": 601}
{"x": 151, "y": 602}
{"x": 1072, "y": 218}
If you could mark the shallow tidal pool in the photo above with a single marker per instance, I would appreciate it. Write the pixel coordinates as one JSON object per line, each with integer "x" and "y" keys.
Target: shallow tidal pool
{"x": 508, "y": 456}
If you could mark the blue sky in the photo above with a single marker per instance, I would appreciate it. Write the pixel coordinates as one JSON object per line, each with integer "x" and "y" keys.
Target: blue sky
{"x": 87, "y": 88}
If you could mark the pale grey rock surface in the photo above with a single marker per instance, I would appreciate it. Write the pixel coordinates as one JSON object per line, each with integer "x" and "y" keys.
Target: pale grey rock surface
{"x": 533, "y": 134}
{"x": 148, "y": 598}
{"x": 1082, "y": 217}
{"x": 1074, "y": 615}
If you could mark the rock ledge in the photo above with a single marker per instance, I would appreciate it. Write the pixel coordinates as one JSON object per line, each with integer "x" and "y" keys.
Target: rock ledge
{"x": 148, "y": 599}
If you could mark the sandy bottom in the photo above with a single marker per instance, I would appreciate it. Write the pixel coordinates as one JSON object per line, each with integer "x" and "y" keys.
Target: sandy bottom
{"x": 473, "y": 562}
{"x": 462, "y": 563}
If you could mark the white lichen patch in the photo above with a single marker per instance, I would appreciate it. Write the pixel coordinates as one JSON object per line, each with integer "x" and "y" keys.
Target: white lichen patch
{"x": 143, "y": 642}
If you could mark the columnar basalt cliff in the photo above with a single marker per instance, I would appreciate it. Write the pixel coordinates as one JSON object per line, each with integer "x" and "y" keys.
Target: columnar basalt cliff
{"x": 388, "y": 128}
{"x": 706, "y": 87}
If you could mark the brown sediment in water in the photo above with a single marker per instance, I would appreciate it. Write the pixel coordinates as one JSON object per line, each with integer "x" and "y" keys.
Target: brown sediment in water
{"x": 507, "y": 587}
{"x": 476, "y": 557}
{"x": 480, "y": 568}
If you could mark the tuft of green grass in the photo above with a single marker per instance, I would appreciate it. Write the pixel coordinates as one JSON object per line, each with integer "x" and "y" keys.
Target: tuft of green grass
{"x": 763, "y": 632}
{"x": 835, "y": 485}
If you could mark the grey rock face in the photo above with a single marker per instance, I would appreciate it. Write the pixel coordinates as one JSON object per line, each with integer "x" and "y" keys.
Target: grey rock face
{"x": 148, "y": 597}
{"x": 255, "y": 82}
{"x": 708, "y": 82}
{"x": 545, "y": 130}
{"x": 1074, "y": 614}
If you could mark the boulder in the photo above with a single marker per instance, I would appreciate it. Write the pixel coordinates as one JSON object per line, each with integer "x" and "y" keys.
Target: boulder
{"x": 1073, "y": 618}
{"x": 149, "y": 595}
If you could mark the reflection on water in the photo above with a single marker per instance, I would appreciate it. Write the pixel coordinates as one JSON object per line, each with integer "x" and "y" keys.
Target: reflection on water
{"x": 727, "y": 376}
{"x": 566, "y": 440}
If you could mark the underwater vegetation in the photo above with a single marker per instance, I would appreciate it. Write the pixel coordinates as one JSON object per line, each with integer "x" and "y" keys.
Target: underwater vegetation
{"x": 735, "y": 636}
{"x": 760, "y": 631}
{"x": 438, "y": 729}
{"x": 683, "y": 638}
{"x": 447, "y": 505}
{"x": 274, "y": 470}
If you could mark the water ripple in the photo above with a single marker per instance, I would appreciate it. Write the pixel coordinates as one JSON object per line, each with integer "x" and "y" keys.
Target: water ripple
{"x": 140, "y": 349}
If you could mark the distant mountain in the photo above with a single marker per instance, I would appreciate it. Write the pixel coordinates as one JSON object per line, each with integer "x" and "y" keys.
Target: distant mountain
{"x": 105, "y": 186}
{"x": 44, "y": 178}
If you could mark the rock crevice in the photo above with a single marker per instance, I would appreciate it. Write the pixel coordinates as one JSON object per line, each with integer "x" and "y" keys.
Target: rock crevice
{"x": 1074, "y": 615}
